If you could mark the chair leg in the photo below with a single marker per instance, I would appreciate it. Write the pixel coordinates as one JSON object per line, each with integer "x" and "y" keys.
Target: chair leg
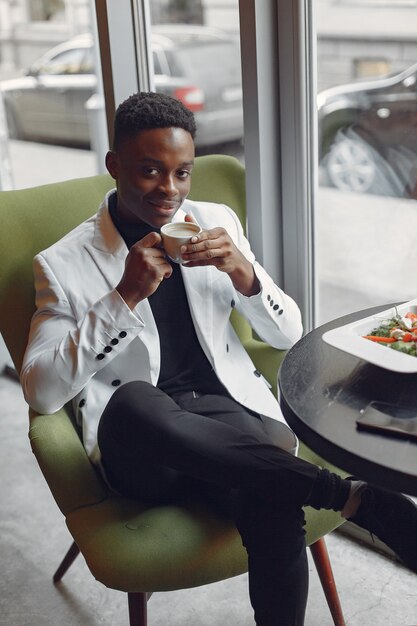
{"x": 324, "y": 570}
{"x": 68, "y": 560}
{"x": 138, "y": 609}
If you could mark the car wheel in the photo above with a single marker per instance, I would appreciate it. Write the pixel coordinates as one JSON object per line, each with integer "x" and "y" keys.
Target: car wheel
{"x": 351, "y": 164}
{"x": 12, "y": 125}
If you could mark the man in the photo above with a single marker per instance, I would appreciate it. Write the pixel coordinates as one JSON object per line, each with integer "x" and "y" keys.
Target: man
{"x": 171, "y": 406}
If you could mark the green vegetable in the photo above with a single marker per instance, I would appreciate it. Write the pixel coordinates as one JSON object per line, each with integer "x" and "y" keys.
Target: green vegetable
{"x": 408, "y": 347}
{"x": 384, "y": 329}
{"x": 384, "y": 332}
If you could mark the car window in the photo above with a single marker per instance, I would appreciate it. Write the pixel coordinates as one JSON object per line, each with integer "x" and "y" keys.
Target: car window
{"x": 202, "y": 62}
{"x": 218, "y": 61}
{"x": 67, "y": 62}
{"x": 87, "y": 63}
{"x": 173, "y": 63}
{"x": 156, "y": 63}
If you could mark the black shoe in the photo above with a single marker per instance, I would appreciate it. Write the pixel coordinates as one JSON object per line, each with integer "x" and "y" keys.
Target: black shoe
{"x": 392, "y": 517}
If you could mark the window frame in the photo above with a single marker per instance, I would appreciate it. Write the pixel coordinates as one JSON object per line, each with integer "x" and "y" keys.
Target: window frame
{"x": 280, "y": 136}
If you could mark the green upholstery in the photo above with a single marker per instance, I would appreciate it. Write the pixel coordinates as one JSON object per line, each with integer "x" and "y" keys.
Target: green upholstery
{"x": 31, "y": 219}
{"x": 126, "y": 546}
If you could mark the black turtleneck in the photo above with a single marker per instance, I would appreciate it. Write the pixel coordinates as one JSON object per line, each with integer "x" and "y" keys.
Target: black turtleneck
{"x": 184, "y": 366}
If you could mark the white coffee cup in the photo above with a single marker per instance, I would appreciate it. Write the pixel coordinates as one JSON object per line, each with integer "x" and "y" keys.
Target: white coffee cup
{"x": 176, "y": 234}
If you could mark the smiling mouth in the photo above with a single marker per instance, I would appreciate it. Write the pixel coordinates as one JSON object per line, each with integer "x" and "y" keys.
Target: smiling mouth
{"x": 167, "y": 206}
{"x": 164, "y": 207}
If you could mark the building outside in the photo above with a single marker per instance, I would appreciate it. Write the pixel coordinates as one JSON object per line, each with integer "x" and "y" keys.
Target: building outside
{"x": 356, "y": 38}
{"x": 364, "y": 38}
{"x": 28, "y": 28}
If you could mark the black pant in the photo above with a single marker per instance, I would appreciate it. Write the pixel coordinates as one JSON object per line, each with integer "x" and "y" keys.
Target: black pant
{"x": 161, "y": 449}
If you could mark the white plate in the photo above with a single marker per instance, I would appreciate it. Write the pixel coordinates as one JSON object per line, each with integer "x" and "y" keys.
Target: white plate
{"x": 349, "y": 338}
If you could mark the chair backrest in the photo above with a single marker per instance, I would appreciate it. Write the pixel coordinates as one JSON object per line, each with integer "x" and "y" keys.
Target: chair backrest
{"x": 32, "y": 219}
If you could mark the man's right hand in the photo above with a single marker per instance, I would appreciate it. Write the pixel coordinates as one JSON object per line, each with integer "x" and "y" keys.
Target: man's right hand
{"x": 145, "y": 268}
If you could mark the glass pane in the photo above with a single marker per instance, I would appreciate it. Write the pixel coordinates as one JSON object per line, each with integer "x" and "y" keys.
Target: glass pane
{"x": 67, "y": 62}
{"x": 366, "y": 208}
{"x": 200, "y": 65}
{"x": 49, "y": 122}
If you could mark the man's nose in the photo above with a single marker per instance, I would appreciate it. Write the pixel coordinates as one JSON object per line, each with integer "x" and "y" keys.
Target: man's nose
{"x": 168, "y": 186}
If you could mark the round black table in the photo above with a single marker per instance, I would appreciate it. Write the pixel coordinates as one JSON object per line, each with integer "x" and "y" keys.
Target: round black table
{"x": 322, "y": 391}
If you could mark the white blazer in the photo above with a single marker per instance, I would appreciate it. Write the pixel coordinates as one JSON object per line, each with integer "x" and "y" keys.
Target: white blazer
{"x": 84, "y": 340}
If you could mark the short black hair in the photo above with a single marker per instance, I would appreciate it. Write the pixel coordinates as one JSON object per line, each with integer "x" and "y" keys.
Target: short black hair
{"x": 147, "y": 110}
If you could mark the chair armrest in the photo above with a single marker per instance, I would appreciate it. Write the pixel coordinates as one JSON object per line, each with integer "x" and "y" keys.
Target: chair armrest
{"x": 72, "y": 479}
{"x": 266, "y": 359}
{"x": 307, "y": 454}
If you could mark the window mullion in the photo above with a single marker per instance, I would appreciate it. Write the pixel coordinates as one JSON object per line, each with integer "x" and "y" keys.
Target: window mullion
{"x": 124, "y": 36}
{"x": 261, "y": 121}
{"x": 278, "y": 144}
{"x": 298, "y": 169}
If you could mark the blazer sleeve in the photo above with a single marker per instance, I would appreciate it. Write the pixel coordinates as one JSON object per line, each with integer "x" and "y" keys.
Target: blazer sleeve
{"x": 272, "y": 313}
{"x": 63, "y": 353}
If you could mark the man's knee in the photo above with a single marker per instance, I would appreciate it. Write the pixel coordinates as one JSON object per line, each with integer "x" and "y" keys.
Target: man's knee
{"x": 124, "y": 404}
{"x": 133, "y": 389}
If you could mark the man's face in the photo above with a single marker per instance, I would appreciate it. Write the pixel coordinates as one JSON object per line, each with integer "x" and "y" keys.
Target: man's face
{"x": 152, "y": 171}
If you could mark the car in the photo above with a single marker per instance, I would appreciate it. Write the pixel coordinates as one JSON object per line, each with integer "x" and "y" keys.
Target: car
{"x": 198, "y": 65}
{"x": 368, "y": 135}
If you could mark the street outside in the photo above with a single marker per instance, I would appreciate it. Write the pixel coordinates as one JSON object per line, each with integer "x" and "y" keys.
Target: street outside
{"x": 365, "y": 251}
{"x": 35, "y": 164}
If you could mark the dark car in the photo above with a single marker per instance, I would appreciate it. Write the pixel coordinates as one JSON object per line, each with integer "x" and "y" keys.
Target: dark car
{"x": 198, "y": 65}
{"x": 368, "y": 135}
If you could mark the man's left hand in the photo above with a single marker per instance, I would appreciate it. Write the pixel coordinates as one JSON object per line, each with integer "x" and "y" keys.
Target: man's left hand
{"x": 215, "y": 247}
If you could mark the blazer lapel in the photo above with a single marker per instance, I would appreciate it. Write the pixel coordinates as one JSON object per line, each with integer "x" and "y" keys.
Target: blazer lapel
{"x": 107, "y": 249}
{"x": 109, "y": 252}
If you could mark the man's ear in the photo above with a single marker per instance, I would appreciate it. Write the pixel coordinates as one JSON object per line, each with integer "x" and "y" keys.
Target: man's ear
{"x": 112, "y": 164}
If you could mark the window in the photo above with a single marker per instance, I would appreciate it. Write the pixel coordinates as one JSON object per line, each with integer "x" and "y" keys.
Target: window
{"x": 322, "y": 185}
{"x": 366, "y": 209}
{"x": 200, "y": 66}
{"x": 51, "y": 116}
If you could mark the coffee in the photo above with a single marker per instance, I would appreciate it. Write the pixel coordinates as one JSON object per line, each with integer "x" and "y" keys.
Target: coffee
{"x": 176, "y": 234}
{"x": 180, "y": 232}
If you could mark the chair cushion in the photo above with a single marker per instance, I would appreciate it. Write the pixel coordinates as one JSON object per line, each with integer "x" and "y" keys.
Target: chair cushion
{"x": 133, "y": 548}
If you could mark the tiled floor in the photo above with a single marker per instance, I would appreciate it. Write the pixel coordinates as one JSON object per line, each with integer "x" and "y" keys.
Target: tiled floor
{"x": 374, "y": 590}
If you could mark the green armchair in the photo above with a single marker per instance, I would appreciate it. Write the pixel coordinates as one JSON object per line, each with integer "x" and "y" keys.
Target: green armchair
{"x": 128, "y": 546}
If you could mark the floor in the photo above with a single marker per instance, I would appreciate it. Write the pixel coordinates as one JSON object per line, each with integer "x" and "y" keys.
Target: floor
{"x": 374, "y": 590}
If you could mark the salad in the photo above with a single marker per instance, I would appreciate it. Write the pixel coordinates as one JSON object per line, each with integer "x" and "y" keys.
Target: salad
{"x": 398, "y": 333}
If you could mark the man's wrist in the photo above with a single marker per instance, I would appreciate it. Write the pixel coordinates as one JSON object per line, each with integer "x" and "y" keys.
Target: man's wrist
{"x": 245, "y": 280}
{"x": 130, "y": 302}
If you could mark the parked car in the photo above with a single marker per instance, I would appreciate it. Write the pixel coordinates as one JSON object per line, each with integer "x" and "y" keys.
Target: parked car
{"x": 198, "y": 65}
{"x": 368, "y": 135}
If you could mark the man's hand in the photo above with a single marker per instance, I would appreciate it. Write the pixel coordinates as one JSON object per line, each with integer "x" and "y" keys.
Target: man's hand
{"x": 215, "y": 247}
{"x": 145, "y": 268}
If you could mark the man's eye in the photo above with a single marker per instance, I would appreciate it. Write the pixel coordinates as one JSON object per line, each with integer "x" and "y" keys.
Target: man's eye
{"x": 184, "y": 174}
{"x": 150, "y": 171}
